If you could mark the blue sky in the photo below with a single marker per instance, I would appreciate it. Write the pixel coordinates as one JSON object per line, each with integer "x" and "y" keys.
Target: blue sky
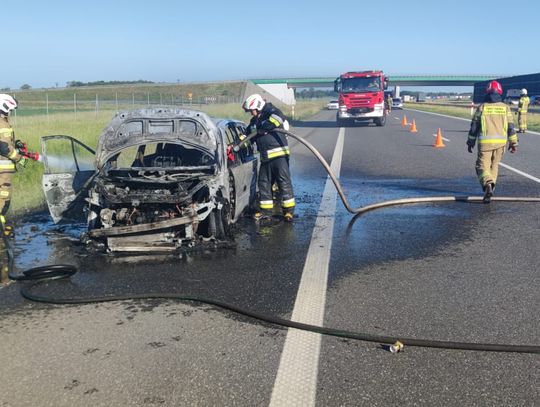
{"x": 52, "y": 42}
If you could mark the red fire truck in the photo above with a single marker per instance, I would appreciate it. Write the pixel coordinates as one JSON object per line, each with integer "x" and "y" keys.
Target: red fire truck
{"x": 361, "y": 97}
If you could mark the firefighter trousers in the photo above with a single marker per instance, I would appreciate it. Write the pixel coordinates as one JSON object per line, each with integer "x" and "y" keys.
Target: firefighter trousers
{"x": 487, "y": 165}
{"x": 275, "y": 171}
{"x": 5, "y": 191}
{"x": 522, "y": 121}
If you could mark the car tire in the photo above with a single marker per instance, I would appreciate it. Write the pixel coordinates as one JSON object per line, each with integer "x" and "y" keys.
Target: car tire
{"x": 215, "y": 225}
{"x": 219, "y": 222}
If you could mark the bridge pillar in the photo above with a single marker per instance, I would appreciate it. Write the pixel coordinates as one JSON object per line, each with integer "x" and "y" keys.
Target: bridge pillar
{"x": 396, "y": 91}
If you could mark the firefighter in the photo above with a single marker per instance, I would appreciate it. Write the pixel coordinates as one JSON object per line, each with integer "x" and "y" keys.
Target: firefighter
{"x": 492, "y": 126}
{"x": 274, "y": 152}
{"x": 388, "y": 103}
{"x": 8, "y": 157}
{"x": 523, "y": 106}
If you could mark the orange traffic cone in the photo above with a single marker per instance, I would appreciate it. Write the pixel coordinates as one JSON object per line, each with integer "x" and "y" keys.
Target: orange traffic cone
{"x": 413, "y": 127}
{"x": 438, "y": 140}
{"x": 404, "y": 121}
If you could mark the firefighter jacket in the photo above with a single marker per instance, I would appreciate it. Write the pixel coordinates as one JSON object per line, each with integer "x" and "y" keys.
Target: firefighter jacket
{"x": 523, "y": 105}
{"x": 492, "y": 125}
{"x": 270, "y": 144}
{"x": 8, "y": 154}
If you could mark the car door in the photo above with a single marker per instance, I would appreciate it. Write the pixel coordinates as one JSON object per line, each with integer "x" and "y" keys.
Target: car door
{"x": 244, "y": 170}
{"x": 69, "y": 171}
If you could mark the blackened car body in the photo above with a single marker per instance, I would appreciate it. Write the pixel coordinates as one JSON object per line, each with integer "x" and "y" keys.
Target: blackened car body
{"x": 160, "y": 178}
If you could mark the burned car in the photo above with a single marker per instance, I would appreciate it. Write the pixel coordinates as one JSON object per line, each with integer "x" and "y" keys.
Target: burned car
{"x": 160, "y": 178}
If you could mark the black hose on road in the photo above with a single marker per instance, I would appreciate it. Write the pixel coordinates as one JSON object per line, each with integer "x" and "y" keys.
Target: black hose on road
{"x": 60, "y": 271}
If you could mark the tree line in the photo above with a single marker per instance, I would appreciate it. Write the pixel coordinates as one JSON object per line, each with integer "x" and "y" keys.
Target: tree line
{"x": 74, "y": 84}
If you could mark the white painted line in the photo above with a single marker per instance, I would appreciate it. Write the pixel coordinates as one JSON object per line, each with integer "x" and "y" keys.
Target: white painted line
{"x": 296, "y": 380}
{"x": 439, "y": 114}
{"x": 460, "y": 118}
{"x": 529, "y": 176}
{"x": 519, "y": 172}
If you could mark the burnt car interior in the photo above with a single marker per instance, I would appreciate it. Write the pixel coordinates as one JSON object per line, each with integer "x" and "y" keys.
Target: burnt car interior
{"x": 161, "y": 178}
{"x": 159, "y": 172}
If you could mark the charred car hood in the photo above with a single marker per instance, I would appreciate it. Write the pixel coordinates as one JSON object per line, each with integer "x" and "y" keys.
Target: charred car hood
{"x": 136, "y": 127}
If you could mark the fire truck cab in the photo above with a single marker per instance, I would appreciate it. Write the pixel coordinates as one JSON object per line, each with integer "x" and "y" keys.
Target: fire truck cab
{"x": 361, "y": 97}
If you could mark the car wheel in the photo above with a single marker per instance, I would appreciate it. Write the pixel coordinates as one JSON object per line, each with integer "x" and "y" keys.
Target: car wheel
{"x": 214, "y": 224}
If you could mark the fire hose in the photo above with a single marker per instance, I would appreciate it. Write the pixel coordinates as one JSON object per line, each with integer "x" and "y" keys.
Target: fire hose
{"x": 41, "y": 274}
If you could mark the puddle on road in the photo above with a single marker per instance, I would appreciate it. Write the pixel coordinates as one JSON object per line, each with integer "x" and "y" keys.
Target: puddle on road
{"x": 39, "y": 241}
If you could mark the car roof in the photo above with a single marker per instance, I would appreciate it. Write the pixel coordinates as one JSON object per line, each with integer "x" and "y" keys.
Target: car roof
{"x": 136, "y": 127}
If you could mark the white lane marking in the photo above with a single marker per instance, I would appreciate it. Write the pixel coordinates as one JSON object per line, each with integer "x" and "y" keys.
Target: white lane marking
{"x": 445, "y": 139}
{"x": 520, "y": 172}
{"x": 461, "y": 118}
{"x": 439, "y": 114}
{"x": 296, "y": 380}
{"x": 531, "y": 177}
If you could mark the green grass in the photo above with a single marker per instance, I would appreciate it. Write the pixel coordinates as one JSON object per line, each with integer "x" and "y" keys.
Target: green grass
{"x": 86, "y": 126}
{"x": 141, "y": 93}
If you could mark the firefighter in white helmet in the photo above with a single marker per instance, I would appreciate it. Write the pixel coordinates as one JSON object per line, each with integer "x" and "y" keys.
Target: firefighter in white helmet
{"x": 523, "y": 107}
{"x": 9, "y": 155}
{"x": 274, "y": 150}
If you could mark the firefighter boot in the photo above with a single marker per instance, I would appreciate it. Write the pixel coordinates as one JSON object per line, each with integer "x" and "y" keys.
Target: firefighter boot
{"x": 5, "y": 228}
{"x": 488, "y": 193}
{"x": 261, "y": 215}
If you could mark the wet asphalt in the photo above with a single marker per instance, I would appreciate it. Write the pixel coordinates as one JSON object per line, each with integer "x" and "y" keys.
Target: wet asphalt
{"x": 459, "y": 272}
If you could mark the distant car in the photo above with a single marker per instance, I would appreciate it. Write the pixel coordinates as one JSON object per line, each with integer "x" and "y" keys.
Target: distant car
{"x": 332, "y": 105}
{"x": 397, "y": 103}
{"x": 160, "y": 179}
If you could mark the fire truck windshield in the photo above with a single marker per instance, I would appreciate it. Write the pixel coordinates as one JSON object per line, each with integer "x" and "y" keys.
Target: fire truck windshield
{"x": 364, "y": 84}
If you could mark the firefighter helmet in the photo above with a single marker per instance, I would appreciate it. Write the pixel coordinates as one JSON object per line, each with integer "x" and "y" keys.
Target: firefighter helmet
{"x": 254, "y": 101}
{"x": 494, "y": 87}
{"x": 7, "y": 103}
{"x": 523, "y": 91}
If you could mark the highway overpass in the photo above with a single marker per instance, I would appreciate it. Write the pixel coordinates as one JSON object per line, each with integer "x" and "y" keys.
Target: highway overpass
{"x": 282, "y": 89}
{"x": 393, "y": 80}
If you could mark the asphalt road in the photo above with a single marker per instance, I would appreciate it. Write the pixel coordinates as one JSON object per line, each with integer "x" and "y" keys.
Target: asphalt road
{"x": 454, "y": 271}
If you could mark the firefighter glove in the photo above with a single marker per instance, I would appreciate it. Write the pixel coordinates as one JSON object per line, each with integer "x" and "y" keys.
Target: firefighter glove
{"x": 21, "y": 147}
{"x": 19, "y": 144}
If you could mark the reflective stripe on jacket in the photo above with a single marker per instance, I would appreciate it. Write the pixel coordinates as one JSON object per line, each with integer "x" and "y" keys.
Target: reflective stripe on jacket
{"x": 270, "y": 144}
{"x": 492, "y": 125}
{"x": 523, "y": 105}
{"x": 8, "y": 154}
